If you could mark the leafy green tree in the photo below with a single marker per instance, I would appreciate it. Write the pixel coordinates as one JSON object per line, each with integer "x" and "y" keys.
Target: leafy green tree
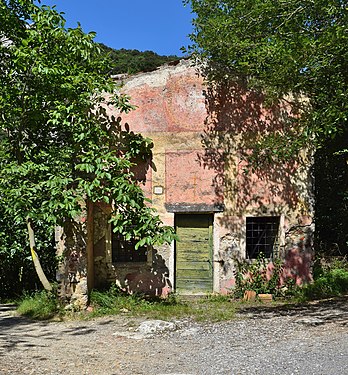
{"x": 294, "y": 51}
{"x": 59, "y": 147}
{"x": 290, "y": 49}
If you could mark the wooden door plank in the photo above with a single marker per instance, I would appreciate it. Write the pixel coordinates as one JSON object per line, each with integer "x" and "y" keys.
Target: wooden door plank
{"x": 194, "y": 270}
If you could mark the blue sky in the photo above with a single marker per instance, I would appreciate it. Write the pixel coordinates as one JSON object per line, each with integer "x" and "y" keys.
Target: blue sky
{"x": 161, "y": 26}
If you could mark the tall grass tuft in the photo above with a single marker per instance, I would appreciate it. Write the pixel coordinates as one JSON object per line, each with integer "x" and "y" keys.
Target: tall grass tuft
{"x": 114, "y": 301}
{"x": 40, "y": 305}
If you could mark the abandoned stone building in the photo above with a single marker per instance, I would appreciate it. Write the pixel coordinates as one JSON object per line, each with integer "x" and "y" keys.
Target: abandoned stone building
{"x": 200, "y": 183}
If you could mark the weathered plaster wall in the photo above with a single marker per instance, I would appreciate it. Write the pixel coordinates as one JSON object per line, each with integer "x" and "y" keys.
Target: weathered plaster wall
{"x": 199, "y": 136}
{"x": 168, "y": 100}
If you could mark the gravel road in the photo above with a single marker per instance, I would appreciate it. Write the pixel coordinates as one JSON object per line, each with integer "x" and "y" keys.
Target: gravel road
{"x": 265, "y": 340}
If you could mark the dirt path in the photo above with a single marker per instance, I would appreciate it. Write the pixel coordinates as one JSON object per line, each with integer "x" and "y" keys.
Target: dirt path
{"x": 311, "y": 340}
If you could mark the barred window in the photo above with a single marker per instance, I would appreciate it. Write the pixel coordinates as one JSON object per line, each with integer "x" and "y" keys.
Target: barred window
{"x": 262, "y": 236}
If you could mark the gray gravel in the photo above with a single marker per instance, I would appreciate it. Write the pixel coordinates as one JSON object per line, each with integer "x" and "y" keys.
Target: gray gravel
{"x": 311, "y": 340}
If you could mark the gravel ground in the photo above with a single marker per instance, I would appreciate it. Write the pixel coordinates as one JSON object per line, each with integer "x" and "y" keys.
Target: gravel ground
{"x": 266, "y": 340}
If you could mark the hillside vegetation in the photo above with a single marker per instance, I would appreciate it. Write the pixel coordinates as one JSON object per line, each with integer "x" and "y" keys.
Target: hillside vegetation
{"x": 133, "y": 61}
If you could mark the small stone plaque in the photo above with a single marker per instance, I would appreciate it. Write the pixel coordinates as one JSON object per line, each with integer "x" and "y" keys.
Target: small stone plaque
{"x": 158, "y": 190}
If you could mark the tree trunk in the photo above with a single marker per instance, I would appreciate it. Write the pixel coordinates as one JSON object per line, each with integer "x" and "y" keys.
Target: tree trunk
{"x": 35, "y": 257}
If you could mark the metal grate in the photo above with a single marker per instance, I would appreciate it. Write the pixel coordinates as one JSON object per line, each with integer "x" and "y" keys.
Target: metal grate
{"x": 262, "y": 236}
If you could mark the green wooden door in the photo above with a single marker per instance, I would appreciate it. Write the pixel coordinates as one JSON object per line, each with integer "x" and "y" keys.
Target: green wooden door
{"x": 194, "y": 266}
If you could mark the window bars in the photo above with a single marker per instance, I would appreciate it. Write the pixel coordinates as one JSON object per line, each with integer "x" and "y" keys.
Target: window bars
{"x": 262, "y": 236}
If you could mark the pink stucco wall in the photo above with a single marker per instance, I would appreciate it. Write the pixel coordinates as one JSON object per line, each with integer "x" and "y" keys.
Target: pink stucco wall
{"x": 187, "y": 181}
{"x": 167, "y": 102}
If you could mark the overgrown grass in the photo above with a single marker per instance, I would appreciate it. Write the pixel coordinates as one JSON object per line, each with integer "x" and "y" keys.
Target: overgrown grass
{"x": 330, "y": 280}
{"x": 41, "y": 305}
{"x": 209, "y": 308}
{"x": 45, "y": 305}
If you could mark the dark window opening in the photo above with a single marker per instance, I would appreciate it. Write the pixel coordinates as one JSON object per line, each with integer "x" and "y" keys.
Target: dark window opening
{"x": 124, "y": 251}
{"x": 262, "y": 236}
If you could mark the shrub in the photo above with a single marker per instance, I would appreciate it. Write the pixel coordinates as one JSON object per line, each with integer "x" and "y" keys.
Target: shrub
{"x": 261, "y": 276}
{"x": 331, "y": 283}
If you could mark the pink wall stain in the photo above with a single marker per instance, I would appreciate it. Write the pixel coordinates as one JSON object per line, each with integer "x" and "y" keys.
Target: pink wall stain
{"x": 226, "y": 286}
{"x": 297, "y": 266}
{"x": 270, "y": 186}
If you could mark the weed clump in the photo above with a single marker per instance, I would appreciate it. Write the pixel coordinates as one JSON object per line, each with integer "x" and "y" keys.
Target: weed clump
{"x": 40, "y": 305}
{"x": 330, "y": 280}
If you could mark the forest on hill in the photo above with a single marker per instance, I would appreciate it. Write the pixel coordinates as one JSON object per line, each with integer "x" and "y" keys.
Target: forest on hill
{"x": 132, "y": 61}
